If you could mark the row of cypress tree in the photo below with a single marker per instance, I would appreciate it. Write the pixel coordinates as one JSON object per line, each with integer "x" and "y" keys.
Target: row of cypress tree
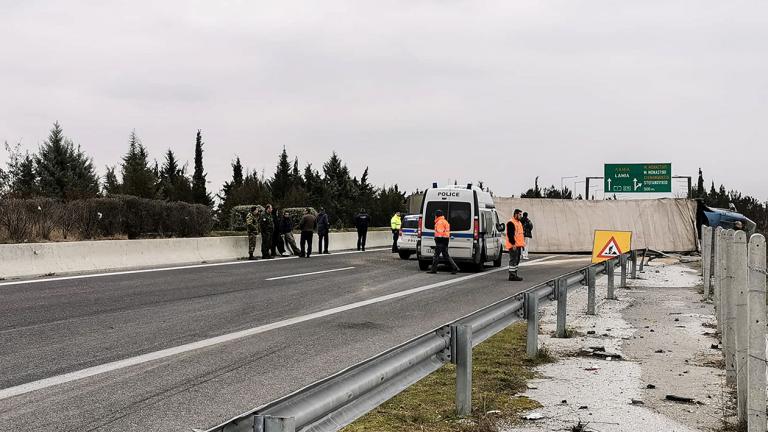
{"x": 61, "y": 170}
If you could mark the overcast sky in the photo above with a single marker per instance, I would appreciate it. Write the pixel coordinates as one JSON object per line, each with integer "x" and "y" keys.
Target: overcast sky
{"x": 500, "y": 91}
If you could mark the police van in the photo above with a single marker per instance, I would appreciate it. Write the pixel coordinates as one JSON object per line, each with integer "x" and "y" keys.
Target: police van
{"x": 477, "y": 235}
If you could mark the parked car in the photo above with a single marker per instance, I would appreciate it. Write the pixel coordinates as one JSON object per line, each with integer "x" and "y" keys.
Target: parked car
{"x": 406, "y": 244}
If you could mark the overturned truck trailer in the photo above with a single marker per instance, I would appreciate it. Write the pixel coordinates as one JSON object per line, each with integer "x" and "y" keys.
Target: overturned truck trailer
{"x": 567, "y": 226}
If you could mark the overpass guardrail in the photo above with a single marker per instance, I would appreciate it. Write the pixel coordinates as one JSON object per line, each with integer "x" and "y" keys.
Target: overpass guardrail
{"x": 336, "y": 401}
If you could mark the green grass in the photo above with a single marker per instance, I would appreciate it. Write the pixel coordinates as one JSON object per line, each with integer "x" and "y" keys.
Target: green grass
{"x": 500, "y": 371}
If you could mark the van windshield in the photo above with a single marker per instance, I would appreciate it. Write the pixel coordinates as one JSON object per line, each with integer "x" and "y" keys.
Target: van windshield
{"x": 459, "y": 214}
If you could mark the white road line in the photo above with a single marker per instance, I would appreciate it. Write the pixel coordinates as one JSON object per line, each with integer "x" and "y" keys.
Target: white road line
{"x": 118, "y": 273}
{"x": 157, "y": 355}
{"x": 308, "y": 274}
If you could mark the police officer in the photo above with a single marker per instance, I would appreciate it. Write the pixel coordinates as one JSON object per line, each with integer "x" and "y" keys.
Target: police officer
{"x": 515, "y": 243}
{"x": 442, "y": 238}
{"x": 267, "y": 227}
{"x": 362, "y": 220}
{"x": 323, "y": 226}
{"x": 395, "y": 223}
{"x": 251, "y": 221}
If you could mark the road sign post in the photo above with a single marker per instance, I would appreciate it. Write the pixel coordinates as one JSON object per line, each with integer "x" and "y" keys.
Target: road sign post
{"x": 638, "y": 178}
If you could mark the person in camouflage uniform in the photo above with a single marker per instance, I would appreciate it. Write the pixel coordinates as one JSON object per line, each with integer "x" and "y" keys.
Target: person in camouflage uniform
{"x": 251, "y": 221}
{"x": 267, "y": 227}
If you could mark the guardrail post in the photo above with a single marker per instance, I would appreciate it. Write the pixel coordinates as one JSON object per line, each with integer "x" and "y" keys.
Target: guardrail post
{"x": 610, "y": 272}
{"x": 591, "y": 276}
{"x": 706, "y": 259}
{"x": 462, "y": 335}
{"x": 741, "y": 323}
{"x": 623, "y": 264}
{"x": 756, "y": 366}
{"x": 729, "y": 311}
{"x": 532, "y": 316}
{"x": 633, "y": 258}
{"x": 561, "y": 285}
{"x": 279, "y": 424}
{"x": 717, "y": 280}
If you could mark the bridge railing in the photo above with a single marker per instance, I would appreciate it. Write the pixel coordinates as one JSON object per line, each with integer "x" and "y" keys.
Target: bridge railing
{"x": 336, "y": 401}
{"x": 735, "y": 280}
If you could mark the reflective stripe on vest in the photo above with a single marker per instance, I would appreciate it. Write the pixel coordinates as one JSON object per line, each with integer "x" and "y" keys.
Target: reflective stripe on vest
{"x": 519, "y": 235}
{"x": 442, "y": 228}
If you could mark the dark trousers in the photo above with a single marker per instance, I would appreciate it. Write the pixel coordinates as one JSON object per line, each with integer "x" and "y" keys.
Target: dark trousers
{"x": 395, "y": 236}
{"x": 362, "y": 234}
{"x": 514, "y": 259}
{"x": 277, "y": 244}
{"x": 306, "y": 243}
{"x": 322, "y": 242}
{"x": 441, "y": 249}
{"x": 266, "y": 244}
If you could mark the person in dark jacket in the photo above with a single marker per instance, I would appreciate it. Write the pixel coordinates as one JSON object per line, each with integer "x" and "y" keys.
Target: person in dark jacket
{"x": 277, "y": 236}
{"x": 528, "y": 234}
{"x": 307, "y": 227}
{"x": 267, "y": 228}
{"x": 323, "y": 227}
{"x": 286, "y": 231}
{"x": 362, "y": 221}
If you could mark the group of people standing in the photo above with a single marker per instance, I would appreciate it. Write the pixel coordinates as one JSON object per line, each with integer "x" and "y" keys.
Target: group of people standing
{"x": 277, "y": 232}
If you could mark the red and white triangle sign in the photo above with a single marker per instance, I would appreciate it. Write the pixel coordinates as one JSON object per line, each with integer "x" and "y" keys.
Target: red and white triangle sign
{"x": 610, "y": 250}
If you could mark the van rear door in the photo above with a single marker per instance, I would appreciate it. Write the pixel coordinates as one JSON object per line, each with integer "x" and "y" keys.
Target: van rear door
{"x": 460, "y": 216}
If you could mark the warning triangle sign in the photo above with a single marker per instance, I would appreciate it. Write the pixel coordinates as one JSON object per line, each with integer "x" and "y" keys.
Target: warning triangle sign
{"x": 610, "y": 250}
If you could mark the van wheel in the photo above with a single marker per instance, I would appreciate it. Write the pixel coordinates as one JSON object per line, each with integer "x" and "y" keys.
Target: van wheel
{"x": 497, "y": 261}
{"x": 478, "y": 263}
{"x": 424, "y": 265}
{"x": 404, "y": 255}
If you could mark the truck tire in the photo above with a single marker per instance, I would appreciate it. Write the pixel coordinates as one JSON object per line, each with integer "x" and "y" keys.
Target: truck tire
{"x": 404, "y": 255}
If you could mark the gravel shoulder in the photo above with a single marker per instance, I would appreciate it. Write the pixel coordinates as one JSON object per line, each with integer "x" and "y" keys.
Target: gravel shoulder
{"x": 655, "y": 340}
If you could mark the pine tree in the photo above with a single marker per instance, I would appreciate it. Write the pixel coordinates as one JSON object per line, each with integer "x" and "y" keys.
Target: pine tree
{"x": 700, "y": 191}
{"x": 21, "y": 179}
{"x": 111, "y": 185}
{"x": 281, "y": 181}
{"x": 200, "y": 194}
{"x": 139, "y": 178}
{"x": 63, "y": 170}
{"x": 174, "y": 184}
{"x": 237, "y": 173}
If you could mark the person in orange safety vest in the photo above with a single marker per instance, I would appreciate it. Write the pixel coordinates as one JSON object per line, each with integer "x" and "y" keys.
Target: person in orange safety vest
{"x": 442, "y": 237}
{"x": 515, "y": 243}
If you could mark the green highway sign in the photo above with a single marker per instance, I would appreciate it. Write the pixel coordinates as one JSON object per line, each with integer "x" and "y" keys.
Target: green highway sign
{"x": 631, "y": 178}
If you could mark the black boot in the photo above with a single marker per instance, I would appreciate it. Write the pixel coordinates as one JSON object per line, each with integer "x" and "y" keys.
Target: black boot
{"x": 251, "y": 257}
{"x": 514, "y": 277}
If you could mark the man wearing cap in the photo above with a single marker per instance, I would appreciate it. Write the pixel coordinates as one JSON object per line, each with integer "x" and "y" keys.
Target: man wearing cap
{"x": 442, "y": 238}
{"x": 515, "y": 242}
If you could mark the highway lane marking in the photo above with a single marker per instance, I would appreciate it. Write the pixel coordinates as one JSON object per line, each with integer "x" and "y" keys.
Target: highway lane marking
{"x": 308, "y": 274}
{"x": 127, "y": 272}
{"x": 205, "y": 343}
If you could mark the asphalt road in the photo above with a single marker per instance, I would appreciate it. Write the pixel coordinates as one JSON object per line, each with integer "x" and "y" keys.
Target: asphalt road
{"x": 191, "y": 347}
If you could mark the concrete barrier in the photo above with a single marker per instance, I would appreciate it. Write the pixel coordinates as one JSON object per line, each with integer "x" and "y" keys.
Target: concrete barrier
{"x": 36, "y": 259}
{"x": 568, "y": 225}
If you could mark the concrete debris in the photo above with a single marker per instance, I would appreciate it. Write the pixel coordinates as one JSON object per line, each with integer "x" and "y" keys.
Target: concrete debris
{"x": 533, "y": 416}
{"x": 637, "y": 402}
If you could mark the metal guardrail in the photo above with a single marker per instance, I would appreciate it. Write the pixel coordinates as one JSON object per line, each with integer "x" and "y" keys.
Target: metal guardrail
{"x": 336, "y": 401}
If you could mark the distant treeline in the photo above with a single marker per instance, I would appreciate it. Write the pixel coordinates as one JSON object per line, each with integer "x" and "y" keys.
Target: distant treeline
{"x": 61, "y": 170}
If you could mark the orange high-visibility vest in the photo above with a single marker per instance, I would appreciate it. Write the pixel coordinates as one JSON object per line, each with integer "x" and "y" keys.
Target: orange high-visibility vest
{"x": 519, "y": 235}
{"x": 442, "y": 228}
